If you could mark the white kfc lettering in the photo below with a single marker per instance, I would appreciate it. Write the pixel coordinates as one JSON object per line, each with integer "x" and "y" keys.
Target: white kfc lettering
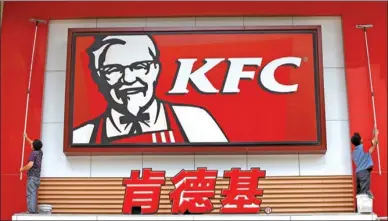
{"x": 235, "y": 74}
{"x": 197, "y": 77}
{"x": 267, "y": 76}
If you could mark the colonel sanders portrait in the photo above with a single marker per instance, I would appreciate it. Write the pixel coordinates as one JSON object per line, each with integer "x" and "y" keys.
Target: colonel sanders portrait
{"x": 126, "y": 69}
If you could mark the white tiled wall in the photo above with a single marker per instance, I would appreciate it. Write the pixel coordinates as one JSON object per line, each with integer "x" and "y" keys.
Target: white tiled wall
{"x": 57, "y": 41}
{"x": 336, "y": 161}
{"x": 348, "y": 216}
{"x": 168, "y": 22}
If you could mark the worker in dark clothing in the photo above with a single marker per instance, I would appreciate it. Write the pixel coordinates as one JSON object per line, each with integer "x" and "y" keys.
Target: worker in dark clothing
{"x": 364, "y": 162}
{"x": 33, "y": 167}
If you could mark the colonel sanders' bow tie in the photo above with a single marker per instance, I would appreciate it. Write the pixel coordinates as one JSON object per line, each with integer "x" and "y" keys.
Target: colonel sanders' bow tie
{"x": 135, "y": 120}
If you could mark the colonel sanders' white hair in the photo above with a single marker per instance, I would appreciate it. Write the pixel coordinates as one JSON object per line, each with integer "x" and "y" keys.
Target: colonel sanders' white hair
{"x": 137, "y": 45}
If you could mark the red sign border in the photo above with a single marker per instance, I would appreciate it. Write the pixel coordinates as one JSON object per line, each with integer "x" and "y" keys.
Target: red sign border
{"x": 82, "y": 150}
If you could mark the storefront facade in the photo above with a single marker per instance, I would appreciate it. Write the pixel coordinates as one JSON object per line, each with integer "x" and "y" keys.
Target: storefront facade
{"x": 346, "y": 93}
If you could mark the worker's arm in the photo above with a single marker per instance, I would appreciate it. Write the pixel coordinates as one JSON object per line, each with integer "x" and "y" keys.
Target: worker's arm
{"x": 375, "y": 141}
{"x": 27, "y": 167}
{"x": 30, "y": 163}
{"x": 28, "y": 139}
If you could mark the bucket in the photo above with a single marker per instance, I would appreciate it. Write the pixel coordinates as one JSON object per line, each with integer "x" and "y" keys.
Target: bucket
{"x": 364, "y": 203}
{"x": 45, "y": 208}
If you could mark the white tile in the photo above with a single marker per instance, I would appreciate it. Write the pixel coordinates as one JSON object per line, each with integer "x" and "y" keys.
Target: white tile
{"x": 57, "y": 41}
{"x": 334, "y": 217}
{"x": 275, "y": 165}
{"x": 55, "y": 217}
{"x": 55, "y": 162}
{"x": 171, "y": 164}
{"x": 348, "y": 216}
{"x": 264, "y": 21}
{"x": 115, "y": 166}
{"x": 170, "y": 22}
{"x": 337, "y": 160}
{"x": 221, "y": 162}
{"x": 219, "y": 21}
{"x": 242, "y": 217}
{"x": 336, "y": 105}
{"x": 122, "y": 22}
{"x": 54, "y": 96}
{"x": 332, "y": 41}
{"x": 144, "y": 217}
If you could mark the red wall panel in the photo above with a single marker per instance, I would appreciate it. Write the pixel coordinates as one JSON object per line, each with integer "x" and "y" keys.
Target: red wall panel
{"x": 358, "y": 88}
{"x": 16, "y": 49}
{"x": 13, "y": 196}
{"x": 17, "y": 35}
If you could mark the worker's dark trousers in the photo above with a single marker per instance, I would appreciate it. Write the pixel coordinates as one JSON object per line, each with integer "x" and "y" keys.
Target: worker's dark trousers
{"x": 33, "y": 184}
{"x": 363, "y": 182}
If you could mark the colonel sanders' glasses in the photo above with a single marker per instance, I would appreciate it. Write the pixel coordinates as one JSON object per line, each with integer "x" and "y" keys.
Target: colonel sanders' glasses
{"x": 137, "y": 68}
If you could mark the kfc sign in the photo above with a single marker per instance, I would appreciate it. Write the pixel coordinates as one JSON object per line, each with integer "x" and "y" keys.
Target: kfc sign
{"x": 235, "y": 74}
{"x": 194, "y": 190}
{"x": 144, "y": 90}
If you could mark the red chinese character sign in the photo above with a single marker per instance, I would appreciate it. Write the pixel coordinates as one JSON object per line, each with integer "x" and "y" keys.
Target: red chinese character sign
{"x": 201, "y": 90}
{"x": 143, "y": 192}
{"x": 242, "y": 192}
{"x": 194, "y": 191}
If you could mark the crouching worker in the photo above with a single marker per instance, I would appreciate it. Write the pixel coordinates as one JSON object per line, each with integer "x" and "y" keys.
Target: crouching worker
{"x": 364, "y": 163}
{"x": 33, "y": 175}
